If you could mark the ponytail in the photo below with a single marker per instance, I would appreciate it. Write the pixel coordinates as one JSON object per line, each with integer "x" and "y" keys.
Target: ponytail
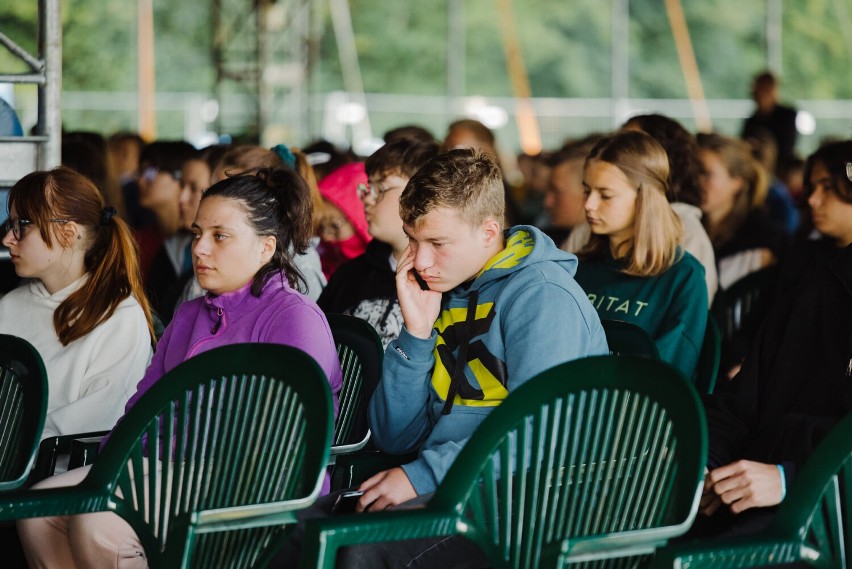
{"x": 112, "y": 264}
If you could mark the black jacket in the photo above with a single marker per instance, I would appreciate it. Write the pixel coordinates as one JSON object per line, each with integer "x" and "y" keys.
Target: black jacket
{"x": 795, "y": 384}
{"x": 366, "y": 287}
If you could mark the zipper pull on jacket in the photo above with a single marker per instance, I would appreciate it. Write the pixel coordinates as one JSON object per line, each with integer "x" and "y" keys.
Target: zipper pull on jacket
{"x": 219, "y": 313}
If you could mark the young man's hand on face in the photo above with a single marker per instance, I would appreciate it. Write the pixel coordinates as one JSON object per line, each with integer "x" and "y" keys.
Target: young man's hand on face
{"x": 385, "y": 489}
{"x": 420, "y": 308}
{"x": 741, "y": 485}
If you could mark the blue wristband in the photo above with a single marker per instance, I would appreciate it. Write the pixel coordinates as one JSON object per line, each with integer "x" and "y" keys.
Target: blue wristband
{"x": 783, "y": 482}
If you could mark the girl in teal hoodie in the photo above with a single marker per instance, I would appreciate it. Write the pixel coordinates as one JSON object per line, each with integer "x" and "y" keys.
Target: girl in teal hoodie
{"x": 632, "y": 268}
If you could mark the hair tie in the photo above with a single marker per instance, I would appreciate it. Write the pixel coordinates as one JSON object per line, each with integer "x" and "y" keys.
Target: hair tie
{"x": 285, "y": 154}
{"x": 106, "y": 215}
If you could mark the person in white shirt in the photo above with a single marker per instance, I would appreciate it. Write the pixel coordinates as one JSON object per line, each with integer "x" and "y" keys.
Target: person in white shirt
{"x": 83, "y": 307}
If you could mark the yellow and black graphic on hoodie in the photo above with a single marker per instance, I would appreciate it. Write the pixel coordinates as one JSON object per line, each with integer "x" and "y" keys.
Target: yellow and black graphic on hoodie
{"x": 488, "y": 369}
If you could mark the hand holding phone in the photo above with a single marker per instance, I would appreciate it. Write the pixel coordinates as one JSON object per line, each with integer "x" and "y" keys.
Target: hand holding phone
{"x": 420, "y": 281}
{"x": 420, "y": 305}
{"x": 346, "y": 502}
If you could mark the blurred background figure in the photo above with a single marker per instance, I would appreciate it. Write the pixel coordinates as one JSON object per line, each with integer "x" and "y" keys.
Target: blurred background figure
{"x": 409, "y": 132}
{"x": 530, "y": 194}
{"x": 735, "y": 188}
{"x": 87, "y": 153}
{"x": 125, "y": 149}
{"x": 324, "y": 157}
{"x": 564, "y": 197}
{"x": 343, "y": 229}
{"x": 169, "y": 266}
{"x": 470, "y": 133}
{"x": 772, "y": 117}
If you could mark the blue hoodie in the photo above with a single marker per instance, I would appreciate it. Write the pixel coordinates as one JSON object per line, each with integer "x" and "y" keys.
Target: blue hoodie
{"x": 530, "y": 315}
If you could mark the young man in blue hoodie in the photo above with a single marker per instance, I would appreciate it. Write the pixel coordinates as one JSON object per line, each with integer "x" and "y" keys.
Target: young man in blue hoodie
{"x": 505, "y": 303}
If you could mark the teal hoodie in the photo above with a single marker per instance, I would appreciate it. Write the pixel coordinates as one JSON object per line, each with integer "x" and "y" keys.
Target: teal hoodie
{"x": 671, "y": 307}
{"x": 530, "y": 315}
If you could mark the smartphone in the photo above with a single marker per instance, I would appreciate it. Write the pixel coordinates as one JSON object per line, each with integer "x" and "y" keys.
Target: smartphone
{"x": 346, "y": 501}
{"x": 420, "y": 281}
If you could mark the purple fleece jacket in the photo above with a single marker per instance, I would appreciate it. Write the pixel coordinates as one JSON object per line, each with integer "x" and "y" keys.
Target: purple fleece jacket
{"x": 279, "y": 316}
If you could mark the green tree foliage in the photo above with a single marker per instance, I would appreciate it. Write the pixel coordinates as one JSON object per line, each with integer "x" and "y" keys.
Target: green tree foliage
{"x": 19, "y": 23}
{"x": 817, "y": 49}
{"x": 402, "y": 46}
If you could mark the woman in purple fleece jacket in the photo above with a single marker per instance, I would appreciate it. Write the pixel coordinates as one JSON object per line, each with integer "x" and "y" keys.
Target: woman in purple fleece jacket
{"x": 246, "y": 231}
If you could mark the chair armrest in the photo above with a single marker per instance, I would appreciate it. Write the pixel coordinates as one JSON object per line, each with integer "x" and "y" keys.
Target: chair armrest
{"x": 608, "y": 546}
{"x": 737, "y": 552}
{"x": 51, "y": 502}
{"x": 324, "y": 536}
{"x": 246, "y": 517}
{"x": 50, "y": 448}
{"x": 337, "y": 450}
{"x": 83, "y": 451}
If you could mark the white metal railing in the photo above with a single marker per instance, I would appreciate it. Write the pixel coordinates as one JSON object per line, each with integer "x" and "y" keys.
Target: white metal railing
{"x": 560, "y": 118}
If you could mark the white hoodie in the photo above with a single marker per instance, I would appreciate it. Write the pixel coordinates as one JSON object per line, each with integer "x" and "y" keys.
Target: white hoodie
{"x": 90, "y": 379}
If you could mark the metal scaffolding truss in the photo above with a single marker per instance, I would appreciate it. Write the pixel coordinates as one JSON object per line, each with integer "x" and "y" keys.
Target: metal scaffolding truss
{"x": 23, "y": 154}
{"x": 263, "y": 50}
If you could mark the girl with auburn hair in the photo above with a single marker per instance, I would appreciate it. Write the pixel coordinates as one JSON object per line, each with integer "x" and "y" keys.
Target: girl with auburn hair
{"x": 734, "y": 188}
{"x": 84, "y": 308}
{"x": 633, "y": 268}
{"x": 245, "y": 235}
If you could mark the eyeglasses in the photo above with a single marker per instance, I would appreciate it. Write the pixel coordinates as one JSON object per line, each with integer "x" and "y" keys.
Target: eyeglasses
{"x": 149, "y": 173}
{"x": 17, "y": 226}
{"x": 376, "y": 191}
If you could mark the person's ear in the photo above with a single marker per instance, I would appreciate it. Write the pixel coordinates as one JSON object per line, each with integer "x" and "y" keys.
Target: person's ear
{"x": 69, "y": 233}
{"x": 491, "y": 232}
{"x": 268, "y": 249}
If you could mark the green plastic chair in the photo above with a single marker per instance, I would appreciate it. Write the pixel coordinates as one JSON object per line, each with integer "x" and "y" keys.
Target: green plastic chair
{"x": 740, "y": 310}
{"x": 813, "y": 526}
{"x": 360, "y": 352}
{"x": 606, "y": 455}
{"x": 242, "y": 434}
{"x": 707, "y": 369}
{"x": 23, "y": 406}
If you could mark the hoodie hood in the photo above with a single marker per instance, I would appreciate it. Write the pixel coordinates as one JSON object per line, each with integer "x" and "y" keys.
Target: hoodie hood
{"x": 341, "y": 188}
{"x": 525, "y": 246}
